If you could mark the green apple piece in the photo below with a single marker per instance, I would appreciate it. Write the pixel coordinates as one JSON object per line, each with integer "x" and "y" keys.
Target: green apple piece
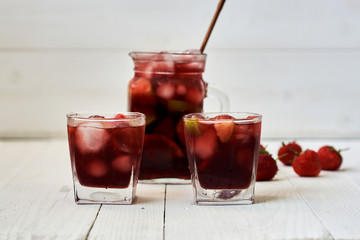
{"x": 150, "y": 119}
{"x": 182, "y": 106}
{"x": 192, "y": 126}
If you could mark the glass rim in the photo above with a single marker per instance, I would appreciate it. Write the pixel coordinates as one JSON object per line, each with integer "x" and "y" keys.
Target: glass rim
{"x": 242, "y": 117}
{"x": 175, "y": 53}
{"x": 86, "y": 116}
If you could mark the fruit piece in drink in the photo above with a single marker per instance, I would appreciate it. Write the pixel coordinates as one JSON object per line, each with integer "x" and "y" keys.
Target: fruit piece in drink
{"x": 176, "y": 89}
{"x": 222, "y": 164}
{"x": 109, "y": 163}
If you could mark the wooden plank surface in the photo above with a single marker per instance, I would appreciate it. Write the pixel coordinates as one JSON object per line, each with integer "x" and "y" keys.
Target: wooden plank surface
{"x": 142, "y": 220}
{"x": 14, "y": 156}
{"x": 279, "y": 212}
{"x": 37, "y": 202}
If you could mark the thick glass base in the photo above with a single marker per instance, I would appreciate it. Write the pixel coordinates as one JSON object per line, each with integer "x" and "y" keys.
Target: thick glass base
{"x": 94, "y": 195}
{"x": 165, "y": 181}
{"x": 223, "y": 196}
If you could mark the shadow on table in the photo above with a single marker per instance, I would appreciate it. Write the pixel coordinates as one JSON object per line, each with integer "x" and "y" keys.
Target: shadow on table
{"x": 263, "y": 199}
{"x": 145, "y": 200}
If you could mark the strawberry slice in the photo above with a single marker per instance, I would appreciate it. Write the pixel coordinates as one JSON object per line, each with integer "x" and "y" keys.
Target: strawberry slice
{"x": 120, "y": 116}
{"x": 225, "y": 128}
{"x": 142, "y": 92}
{"x": 141, "y": 86}
{"x": 194, "y": 96}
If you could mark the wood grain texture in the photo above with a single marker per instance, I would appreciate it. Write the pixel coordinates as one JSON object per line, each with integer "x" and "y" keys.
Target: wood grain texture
{"x": 15, "y": 156}
{"x": 334, "y": 200}
{"x": 142, "y": 220}
{"x": 36, "y": 202}
{"x": 279, "y": 212}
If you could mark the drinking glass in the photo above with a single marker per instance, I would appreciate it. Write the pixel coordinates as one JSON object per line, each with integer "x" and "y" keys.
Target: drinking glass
{"x": 223, "y": 150}
{"x": 105, "y": 152}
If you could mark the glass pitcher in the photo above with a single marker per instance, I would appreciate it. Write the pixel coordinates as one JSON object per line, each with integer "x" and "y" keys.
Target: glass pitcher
{"x": 165, "y": 87}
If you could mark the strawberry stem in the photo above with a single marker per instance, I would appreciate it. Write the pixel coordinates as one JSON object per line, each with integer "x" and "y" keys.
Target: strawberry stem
{"x": 343, "y": 149}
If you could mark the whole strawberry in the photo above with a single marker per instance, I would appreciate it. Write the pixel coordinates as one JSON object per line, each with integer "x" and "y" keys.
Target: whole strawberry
{"x": 267, "y": 167}
{"x": 330, "y": 158}
{"x": 307, "y": 164}
{"x": 288, "y": 152}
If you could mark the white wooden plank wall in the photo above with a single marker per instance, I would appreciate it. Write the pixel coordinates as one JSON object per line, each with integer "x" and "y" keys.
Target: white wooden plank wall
{"x": 296, "y": 62}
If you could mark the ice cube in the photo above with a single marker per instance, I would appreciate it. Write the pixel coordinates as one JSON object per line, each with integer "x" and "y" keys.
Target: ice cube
{"x": 227, "y": 194}
{"x": 147, "y": 70}
{"x": 136, "y": 122}
{"x": 97, "y": 168}
{"x": 164, "y": 63}
{"x": 165, "y": 90}
{"x": 181, "y": 89}
{"x": 128, "y": 140}
{"x": 241, "y": 128}
{"x": 91, "y": 137}
{"x": 194, "y": 96}
{"x": 242, "y": 138}
{"x": 241, "y": 133}
{"x": 161, "y": 63}
{"x": 122, "y": 163}
{"x": 255, "y": 129}
{"x": 196, "y": 66}
{"x": 206, "y": 144}
{"x": 190, "y": 55}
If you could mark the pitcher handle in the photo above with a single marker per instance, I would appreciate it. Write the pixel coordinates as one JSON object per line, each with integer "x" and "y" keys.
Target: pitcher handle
{"x": 222, "y": 97}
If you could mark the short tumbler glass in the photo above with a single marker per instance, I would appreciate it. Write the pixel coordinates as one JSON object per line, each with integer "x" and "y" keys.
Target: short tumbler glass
{"x": 105, "y": 152}
{"x": 223, "y": 151}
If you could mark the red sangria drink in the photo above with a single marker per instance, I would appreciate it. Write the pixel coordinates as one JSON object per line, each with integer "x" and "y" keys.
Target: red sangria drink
{"x": 223, "y": 150}
{"x": 165, "y": 87}
{"x": 105, "y": 151}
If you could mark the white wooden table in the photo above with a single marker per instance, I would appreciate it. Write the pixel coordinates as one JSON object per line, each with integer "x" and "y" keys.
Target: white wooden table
{"x": 36, "y": 202}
